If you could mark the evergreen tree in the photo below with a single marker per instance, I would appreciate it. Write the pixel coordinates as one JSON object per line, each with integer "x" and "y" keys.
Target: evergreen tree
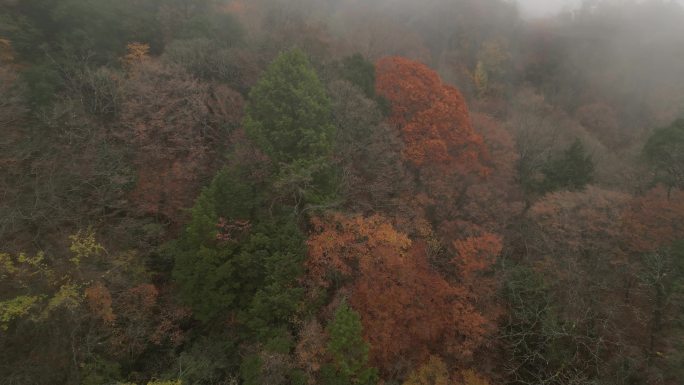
{"x": 289, "y": 117}
{"x": 233, "y": 258}
{"x": 279, "y": 246}
{"x": 360, "y": 72}
{"x": 289, "y": 112}
{"x": 571, "y": 171}
{"x": 665, "y": 152}
{"x": 349, "y": 351}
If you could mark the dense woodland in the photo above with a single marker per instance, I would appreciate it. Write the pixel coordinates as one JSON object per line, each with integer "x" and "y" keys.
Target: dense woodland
{"x": 341, "y": 192}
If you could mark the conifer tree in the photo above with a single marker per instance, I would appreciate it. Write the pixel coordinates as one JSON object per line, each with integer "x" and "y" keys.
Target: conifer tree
{"x": 349, "y": 351}
{"x": 571, "y": 171}
{"x": 289, "y": 117}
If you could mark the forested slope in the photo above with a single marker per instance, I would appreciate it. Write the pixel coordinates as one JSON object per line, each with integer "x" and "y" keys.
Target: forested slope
{"x": 340, "y": 192}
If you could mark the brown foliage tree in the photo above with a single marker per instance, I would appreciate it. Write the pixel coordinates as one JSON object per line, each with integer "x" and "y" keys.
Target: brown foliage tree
{"x": 575, "y": 237}
{"x": 491, "y": 204}
{"x": 654, "y": 220}
{"x": 174, "y": 124}
{"x": 310, "y": 351}
{"x": 601, "y": 120}
{"x": 578, "y": 223}
{"x": 12, "y": 108}
{"x": 368, "y": 152}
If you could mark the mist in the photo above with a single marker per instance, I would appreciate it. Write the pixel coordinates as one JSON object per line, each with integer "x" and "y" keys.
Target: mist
{"x": 545, "y": 8}
{"x": 341, "y": 192}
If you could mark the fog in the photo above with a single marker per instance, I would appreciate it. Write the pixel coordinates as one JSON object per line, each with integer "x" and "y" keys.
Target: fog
{"x": 541, "y": 8}
{"x": 366, "y": 192}
{"x": 544, "y": 8}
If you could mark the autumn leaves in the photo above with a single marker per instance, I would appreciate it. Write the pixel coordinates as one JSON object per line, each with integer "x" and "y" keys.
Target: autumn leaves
{"x": 419, "y": 285}
{"x": 411, "y": 305}
{"x": 432, "y": 117}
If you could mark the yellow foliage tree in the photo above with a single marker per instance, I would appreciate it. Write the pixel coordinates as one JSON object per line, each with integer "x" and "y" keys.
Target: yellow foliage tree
{"x": 481, "y": 79}
{"x": 15, "y": 308}
{"x": 494, "y": 57}
{"x": 434, "y": 372}
{"x": 26, "y": 273}
{"x": 470, "y": 377}
{"x": 135, "y": 53}
{"x": 84, "y": 245}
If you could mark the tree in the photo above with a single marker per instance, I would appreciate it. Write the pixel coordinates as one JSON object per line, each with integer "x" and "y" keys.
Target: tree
{"x": 208, "y": 59}
{"x": 427, "y": 313}
{"x": 375, "y": 33}
{"x": 572, "y": 171}
{"x": 12, "y": 107}
{"x": 204, "y": 266}
{"x": 432, "y": 117}
{"x": 578, "y": 224}
{"x": 433, "y": 372}
{"x": 601, "y": 120}
{"x": 279, "y": 297}
{"x": 311, "y": 353}
{"x": 664, "y": 150}
{"x": 349, "y": 351}
{"x": 236, "y": 257}
{"x": 360, "y": 72}
{"x": 83, "y": 317}
{"x": 368, "y": 152}
{"x": 481, "y": 80}
{"x": 493, "y": 202}
{"x": 7, "y": 53}
{"x": 289, "y": 118}
{"x": 541, "y": 346}
{"x": 175, "y": 137}
{"x": 575, "y": 243}
{"x": 491, "y": 71}
{"x": 663, "y": 275}
{"x": 289, "y": 114}
{"x": 653, "y": 220}
{"x": 470, "y": 377}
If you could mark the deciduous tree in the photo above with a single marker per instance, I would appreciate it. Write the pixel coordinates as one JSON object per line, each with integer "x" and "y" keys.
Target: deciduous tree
{"x": 426, "y": 313}
{"x": 176, "y": 127}
{"x": 431, "y": 116}
{"x": 433, "y": 372}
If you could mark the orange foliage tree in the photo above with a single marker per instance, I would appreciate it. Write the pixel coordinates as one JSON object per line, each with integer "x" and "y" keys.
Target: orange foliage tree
{"x": 432, "y": 117}
{"x": 408, "y": 310}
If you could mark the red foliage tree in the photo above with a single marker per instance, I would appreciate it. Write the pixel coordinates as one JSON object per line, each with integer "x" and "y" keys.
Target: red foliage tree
{"x": 99, "y": 301}
{"x": 432, "y": 117}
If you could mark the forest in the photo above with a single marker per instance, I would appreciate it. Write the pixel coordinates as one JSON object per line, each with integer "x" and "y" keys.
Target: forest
{"x": 341, "y": 192}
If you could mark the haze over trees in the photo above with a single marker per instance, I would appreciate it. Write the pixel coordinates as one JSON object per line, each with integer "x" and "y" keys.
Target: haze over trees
{"x": 278, "y": 192}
